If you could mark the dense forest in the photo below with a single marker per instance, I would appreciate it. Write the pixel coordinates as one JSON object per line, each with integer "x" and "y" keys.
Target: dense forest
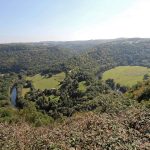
{"x": 82, "y": 111}
{"x": 103, "y": 54}
{"x": 30, "y": 58}
{"x": 122, "y": 52}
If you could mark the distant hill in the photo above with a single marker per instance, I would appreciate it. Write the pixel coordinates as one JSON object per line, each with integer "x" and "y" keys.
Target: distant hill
{"x": 30, "y": 57}
{"x": 103, "y": 54}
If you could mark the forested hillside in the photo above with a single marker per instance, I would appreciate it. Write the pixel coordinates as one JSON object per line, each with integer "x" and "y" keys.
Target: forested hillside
{"x": 122, "y": 52}
{"x": 103, "y": 54}
{"x": 30, "y": 57}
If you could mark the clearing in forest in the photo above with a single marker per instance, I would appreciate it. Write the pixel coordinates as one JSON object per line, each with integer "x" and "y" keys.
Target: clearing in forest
{"x": 42, "y": 82}
{"x": 126, "y": 75}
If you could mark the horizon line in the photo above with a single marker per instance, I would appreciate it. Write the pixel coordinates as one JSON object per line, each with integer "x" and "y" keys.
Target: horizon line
{"x": 63, "y": 41}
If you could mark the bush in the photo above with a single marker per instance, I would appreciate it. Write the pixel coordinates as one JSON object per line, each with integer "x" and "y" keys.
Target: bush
{"x": 8, "y": 115}
{"x": 37, "y": 118}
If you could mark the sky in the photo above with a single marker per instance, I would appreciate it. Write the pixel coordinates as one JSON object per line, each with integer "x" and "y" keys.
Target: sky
{"x": 68, "y": 20}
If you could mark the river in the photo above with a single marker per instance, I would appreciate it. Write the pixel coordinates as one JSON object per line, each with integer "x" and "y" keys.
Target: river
{"x": 13, "y": 96}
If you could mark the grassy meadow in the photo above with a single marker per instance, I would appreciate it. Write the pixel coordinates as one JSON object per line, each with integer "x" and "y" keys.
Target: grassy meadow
{"x": 82, "y": 86}
{"x": 24, "y": 91}
{"x": 42, "y": 82}
{"x": 126, "y": 75}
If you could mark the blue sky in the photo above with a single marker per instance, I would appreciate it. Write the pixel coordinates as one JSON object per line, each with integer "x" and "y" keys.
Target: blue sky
{"x": 61, "y": 20}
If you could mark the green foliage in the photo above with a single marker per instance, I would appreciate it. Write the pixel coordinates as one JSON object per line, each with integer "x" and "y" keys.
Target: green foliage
{"x": 33, "y": 58}
{"x": 106, "y": 103}
{"x": 146, "y": 77}
{"x": 69, "y": 98}
{"x": 31, "y": 115}
{"x": 8, "y": 114}
{"x": 141, "y": 91}
{"x": 121, "y": 52}
{"x": 6, "y": 83}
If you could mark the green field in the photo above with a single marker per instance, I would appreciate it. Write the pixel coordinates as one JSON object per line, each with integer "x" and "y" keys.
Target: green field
{"x": 126, "y": 75}
{"x": 42, "y": 82}
{"x": 24, "y": 91}
{"x": 82, "y": 86}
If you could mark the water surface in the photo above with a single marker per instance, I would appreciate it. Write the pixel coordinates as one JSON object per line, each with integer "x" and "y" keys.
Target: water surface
{"x": 13, "y": 96}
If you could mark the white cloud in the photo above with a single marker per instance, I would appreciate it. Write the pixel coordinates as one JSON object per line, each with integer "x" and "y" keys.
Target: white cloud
{"x": 134, "y": 22}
